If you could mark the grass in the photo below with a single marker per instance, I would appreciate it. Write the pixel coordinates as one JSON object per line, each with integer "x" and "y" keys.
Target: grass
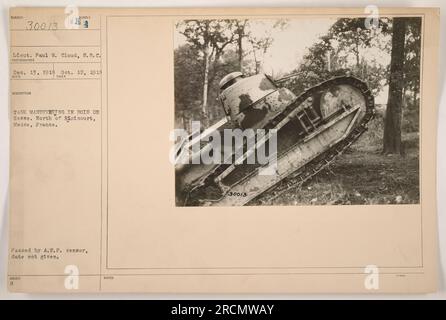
{"x": 362, "y": 175}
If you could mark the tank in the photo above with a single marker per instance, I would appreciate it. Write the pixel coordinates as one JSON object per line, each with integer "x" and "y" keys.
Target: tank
{"x": 309, "y": 130}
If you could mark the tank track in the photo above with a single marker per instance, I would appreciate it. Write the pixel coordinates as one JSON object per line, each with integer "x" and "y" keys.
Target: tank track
{"x": 307, "y": 172}
{"x": 321, "y": 162}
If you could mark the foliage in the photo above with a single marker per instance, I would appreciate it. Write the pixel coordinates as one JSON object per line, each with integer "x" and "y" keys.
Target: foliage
{"x": 343, "y": 50}
{"x": 188, "y": 70}
{"x": 413, "y": 58}
{"x": 348, "y": 47}
{"x": 214, "y": 48}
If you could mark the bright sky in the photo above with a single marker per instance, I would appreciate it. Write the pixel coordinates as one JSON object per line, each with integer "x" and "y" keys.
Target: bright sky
{"x": 289, "y": 44}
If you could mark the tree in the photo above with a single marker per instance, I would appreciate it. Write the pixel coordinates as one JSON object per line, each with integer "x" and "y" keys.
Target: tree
{"x": 188, "y": 76}
{"x": 219, "y": 47}
{"x": 412, "y": 60}
{"x": 354, "y": 37}
{"x": 188, "y": 81}
{"x": 250, "y": 42}
{"x": 345, "y": 49}
{"x": 210, "y": 37}
{"x": 241, "y": 33}
{"x": 392, "y": 122}
{"x": 314, "y": 67}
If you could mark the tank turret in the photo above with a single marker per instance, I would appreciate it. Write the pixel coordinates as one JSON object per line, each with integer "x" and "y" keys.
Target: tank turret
{"x": 251, "y": 102}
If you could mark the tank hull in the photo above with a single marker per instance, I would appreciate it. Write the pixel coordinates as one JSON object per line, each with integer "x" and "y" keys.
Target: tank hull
{"x": 311, "y": 131}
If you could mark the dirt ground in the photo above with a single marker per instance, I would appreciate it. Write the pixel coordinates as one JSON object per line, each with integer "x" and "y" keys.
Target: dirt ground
{"x": 362, "y": 175}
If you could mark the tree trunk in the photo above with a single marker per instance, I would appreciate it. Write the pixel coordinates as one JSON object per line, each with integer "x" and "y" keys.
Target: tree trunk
{"x": 357, "y": 54}
{"x": 392, "y": 122}
{"x": 328, "y": 61}
{"x": 240, "y": 47}
{"x": 205, "y": 85}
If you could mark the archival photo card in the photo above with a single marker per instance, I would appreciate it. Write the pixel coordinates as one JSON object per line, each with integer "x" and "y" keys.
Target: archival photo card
{"x": 236, "y": 150}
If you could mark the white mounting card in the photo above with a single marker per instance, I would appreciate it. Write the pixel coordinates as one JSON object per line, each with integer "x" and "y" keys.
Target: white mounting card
{"x": 126, "y": 176}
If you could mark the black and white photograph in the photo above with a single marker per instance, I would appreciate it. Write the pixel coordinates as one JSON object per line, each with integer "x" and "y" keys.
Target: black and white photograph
{"x": 297, "y": 111}
{"x": 223, "y": 151}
